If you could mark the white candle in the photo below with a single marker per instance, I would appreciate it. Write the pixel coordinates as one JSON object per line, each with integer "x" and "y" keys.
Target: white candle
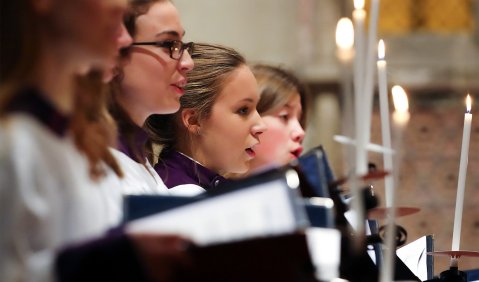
{"x": 359, "y": 17}
{"x": 461, "y": 181}
{"x": 345, "y": 40}
{"x": 368, "y": 71}
{"x": 361, "y": 167}
{"x": 400, "y": 120}
{"x": 345, "y": 54}
{"x": 385, "y": 128}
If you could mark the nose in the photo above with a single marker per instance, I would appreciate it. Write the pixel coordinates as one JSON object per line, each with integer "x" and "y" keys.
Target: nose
{"x": 124, "y": 39}
{"x": 297, "y": 132}
{"x": 186, "y": 63}
{"x": 259, "y": 126}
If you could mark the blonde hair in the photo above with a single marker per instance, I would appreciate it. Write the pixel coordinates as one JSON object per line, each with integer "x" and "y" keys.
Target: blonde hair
{"x": 213, "y": 66}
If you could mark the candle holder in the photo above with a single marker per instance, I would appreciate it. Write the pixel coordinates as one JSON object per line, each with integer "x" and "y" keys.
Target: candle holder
{"x": 453, "y": 274}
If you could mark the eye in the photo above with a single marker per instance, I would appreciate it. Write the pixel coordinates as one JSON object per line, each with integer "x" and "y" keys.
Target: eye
{"x": 243, "y": 111}
{"x": 284, "y": 117}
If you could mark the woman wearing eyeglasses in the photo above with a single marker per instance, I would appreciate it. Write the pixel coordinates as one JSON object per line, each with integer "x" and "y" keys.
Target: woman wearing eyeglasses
{"x": 151, "y": 79}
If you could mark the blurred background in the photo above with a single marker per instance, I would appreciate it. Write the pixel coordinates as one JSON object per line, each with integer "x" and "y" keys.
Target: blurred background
{"x": 432, "y": 51}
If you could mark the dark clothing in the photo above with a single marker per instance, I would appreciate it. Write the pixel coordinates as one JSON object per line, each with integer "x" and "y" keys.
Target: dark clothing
{"x": 131, "y": 141}
{"x": 33, "y": 102}
{"x": 177, "y": 169}
{"x": 111, "y": 258}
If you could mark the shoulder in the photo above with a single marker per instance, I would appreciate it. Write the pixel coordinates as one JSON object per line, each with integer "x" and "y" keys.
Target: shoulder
{"x": 138, "y": 178}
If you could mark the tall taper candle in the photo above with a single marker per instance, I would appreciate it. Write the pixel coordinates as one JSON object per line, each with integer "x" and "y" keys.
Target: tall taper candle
{"x": 461, "y": 181}
{"x": 385, "y": 128}
{"x": 400, "y": 120}
{"x": 359, "y": 17}
{"x": 345, "y": 54}
{"x": 370, "y": 58}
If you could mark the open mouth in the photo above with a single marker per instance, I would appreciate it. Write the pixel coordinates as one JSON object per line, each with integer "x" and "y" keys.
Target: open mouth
{"x": 180, "y": 87}
{"x": 250, "y": 152}
{"x": 296, "y": 153}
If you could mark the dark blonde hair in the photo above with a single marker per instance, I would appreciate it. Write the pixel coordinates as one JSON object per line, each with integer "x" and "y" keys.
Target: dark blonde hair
{"x": 19, "y": 54}
{"x": 127, "y": 127}
{"x": 213, "y": 66}
{"x": 276, "y": 87}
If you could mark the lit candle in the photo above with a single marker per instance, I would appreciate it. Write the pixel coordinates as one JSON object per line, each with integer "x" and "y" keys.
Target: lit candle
{"x": 401, "y": 107}
{"x": 385, "y": 129}
{"x": 345, "y": 54}
{"x": 368, "y": 84}
{"x": 461, "y": 181}
{"x": 361, "y": 167}
{"x": 359, "y": 17}
{"x": 400, "y": 120}
{"x": 345, "y": 40}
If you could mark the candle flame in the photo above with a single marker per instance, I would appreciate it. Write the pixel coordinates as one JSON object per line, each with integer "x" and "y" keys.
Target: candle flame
{"x": 468, "y": 103}
{"x": 400, "y": 100}
{"x": 345, "y": 34}
{"x": 381, "y": 50}
{"x": 358, "y": 4}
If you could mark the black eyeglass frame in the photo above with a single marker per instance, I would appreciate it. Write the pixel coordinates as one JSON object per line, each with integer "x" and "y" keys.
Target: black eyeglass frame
{"x": 171, "y": 45}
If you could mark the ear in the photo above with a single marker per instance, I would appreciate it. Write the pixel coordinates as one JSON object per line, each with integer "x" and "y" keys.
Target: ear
{"x": 190, "y": 120}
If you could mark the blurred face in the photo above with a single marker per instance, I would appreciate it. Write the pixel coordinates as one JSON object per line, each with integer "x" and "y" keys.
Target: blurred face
{"x": 282, "y": 142}
{"x": 88, "y": 28}
{"x": 153, "y": 81}
{"x": 123, "y": 40}
{"x": 227, "y": 139}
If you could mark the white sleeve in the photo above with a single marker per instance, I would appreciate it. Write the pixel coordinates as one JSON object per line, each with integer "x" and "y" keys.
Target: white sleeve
{"x": 186, "y": 190}
{"x": 23, "y": 256}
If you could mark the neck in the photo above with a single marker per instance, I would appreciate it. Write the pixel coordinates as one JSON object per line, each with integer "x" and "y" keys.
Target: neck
{"x": 190, "y": 147}
{"x": 136, "y": 115}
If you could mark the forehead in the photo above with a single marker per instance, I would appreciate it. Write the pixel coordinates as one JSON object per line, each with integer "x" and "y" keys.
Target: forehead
{"x": 161, "y": 18}
{"x": 240, "y": 84}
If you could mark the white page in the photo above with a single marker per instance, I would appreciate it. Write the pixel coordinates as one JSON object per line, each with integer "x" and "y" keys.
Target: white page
{"x": 414, "y": 256}
{"x": 262, "y": 210}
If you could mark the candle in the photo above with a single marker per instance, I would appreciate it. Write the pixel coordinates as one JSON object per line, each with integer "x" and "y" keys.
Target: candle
{"x": 400, "y": 120}
{"x": 385, "y": 129}
{"x": 368, "y": 71}
{"x": 359, "y": 16}
{"x": 345, "y": 54}
{"x": 401, "y": 106}
{"x": 461, "y": 181}
{"x": 345, "y": 40}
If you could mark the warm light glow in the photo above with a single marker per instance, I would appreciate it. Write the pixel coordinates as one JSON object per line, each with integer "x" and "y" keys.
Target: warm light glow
{"x": 358, "y": 4}
{"x": 381, "y": 50}
{"x": 345, "y": 34}
{"x": 468, "y": 103}
{"x": 400, "y": 101}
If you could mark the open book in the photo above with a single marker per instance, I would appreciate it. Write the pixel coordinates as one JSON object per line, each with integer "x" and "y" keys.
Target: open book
{"x": 414, "y": 255}
{"x": 263, "y": 206}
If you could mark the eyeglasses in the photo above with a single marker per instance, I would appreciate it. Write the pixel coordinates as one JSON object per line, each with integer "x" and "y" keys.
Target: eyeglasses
{"x": 176, "y": 47}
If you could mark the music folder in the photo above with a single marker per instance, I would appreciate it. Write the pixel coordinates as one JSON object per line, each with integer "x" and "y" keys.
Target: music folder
{"x": 265, "y": 205}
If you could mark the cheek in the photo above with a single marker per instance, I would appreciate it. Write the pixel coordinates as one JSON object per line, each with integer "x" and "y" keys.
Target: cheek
{"x": 274, "y": 141}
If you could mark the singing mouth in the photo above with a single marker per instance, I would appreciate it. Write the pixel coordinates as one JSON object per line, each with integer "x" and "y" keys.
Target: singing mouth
{"x": 180, "y": 86}
{"x": 250, "y": 152}
{"x": 297, "y": 152}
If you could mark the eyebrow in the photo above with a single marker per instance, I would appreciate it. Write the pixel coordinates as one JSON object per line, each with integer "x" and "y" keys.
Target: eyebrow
{"x": 248, "y": 100}
{"x": 170, "y": 32}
